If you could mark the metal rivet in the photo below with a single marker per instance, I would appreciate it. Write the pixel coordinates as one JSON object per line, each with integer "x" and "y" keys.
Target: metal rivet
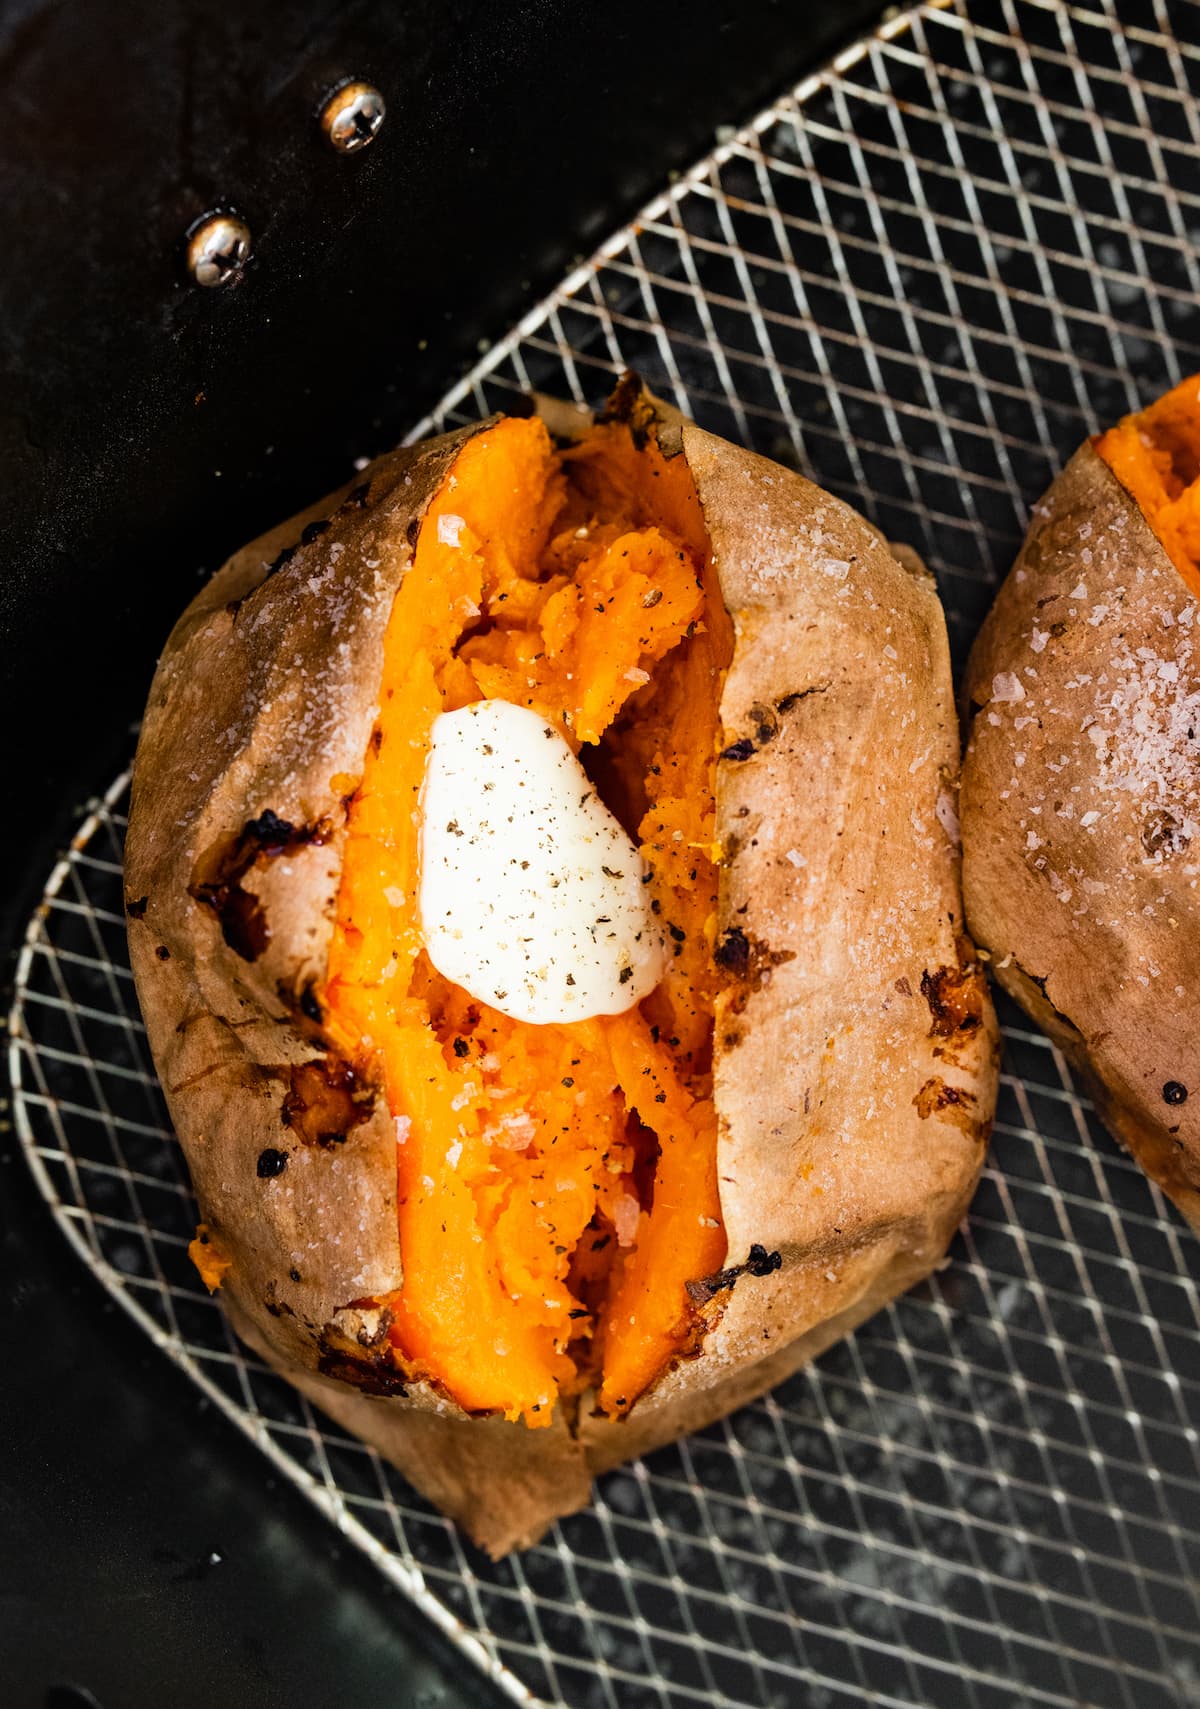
{"x": 352, "y": 115}
{"x": 218, "y": 249}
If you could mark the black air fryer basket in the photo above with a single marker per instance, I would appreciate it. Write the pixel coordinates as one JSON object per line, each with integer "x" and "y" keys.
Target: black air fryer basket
{"x": 921, "y": 275}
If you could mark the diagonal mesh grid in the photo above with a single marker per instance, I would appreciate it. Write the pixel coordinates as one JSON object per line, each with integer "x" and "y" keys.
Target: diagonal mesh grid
{"x": 921, "y": 277}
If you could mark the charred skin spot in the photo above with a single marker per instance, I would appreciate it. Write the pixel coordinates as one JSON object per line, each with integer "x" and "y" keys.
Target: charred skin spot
{"x": 374, "y": 1376}
{"x": 358, "y": 498}
{"x": 1162, "y": 833}
{"x": 313, "y": 531}
{"x": 324, "y": 1102}
{"x": 310, "y": 1005}
{"x": 955, "y": 998}
{"x": 280, "y": 561}
{"x": 764, "y": 723}
{"x": 732, "y": 952}
{"x": 353, "y": 1348}
{"x": 748, "y": 961}
{"x": 738, "y": 751}
{"x": 1174, "y": 1092}
{"x": 952, "y": 1104}
{"x": 630, "y": 404}
{"x": 789, "y": 702}
{"x": 218, "y": 874}
{"x": 759, "y": 1262}
{"x": 270, "y": 1163}
{"x": 137, "y": 909}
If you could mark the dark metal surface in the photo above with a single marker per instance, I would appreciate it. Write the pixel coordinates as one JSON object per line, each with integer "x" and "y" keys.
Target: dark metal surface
{"x": 146, "y": 428}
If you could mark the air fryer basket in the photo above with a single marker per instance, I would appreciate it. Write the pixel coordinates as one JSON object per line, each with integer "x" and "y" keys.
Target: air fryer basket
{"x": 922, "y": 277}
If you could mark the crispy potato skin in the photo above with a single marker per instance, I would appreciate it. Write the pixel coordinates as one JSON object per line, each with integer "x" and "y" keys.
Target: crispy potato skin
{"x": 1077, "y": 805}
{"x": 856, "y": 1048}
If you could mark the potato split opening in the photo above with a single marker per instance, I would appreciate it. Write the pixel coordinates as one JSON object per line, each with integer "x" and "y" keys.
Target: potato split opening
{"x": 557, "y": 1183}
{"x": 1155, "y": 455}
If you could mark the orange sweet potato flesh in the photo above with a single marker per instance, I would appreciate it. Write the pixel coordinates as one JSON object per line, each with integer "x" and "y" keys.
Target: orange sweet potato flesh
{"x": 1156, "y": 457}
{"x": 557, "y": 1184}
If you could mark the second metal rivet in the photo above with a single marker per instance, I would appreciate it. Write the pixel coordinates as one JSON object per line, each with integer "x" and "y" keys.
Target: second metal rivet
{"x": 352, "y": 115}
{"x": 218, "y": 249}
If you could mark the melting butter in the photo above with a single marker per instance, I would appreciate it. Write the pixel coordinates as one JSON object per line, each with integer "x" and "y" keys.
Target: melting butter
{"x": 532, "y": 897}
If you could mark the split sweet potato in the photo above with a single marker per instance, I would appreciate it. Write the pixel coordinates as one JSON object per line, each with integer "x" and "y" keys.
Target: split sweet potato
{"x": 512, "y": 1255}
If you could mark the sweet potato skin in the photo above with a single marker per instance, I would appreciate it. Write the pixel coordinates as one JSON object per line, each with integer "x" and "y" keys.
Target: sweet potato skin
{"x": 1080, "y": 801}
{"x": 856, "y": 1049}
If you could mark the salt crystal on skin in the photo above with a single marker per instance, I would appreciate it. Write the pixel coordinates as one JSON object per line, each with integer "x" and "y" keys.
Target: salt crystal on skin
{"x": 1089, "y": 819}
{"x": 795, "y": 857}
{"x": 1007, "y": 686}
{"x": 947, "y": 817}
{"x": 1078, "y": 592}
{"x": 403, "y": 1129}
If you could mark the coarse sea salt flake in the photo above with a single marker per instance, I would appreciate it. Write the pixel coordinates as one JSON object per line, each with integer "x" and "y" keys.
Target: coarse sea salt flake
{"x": 1079, "y": 591}
{"x": 947, "y": 816}
{"x": 449, "y": 530}
{"x": 796, "y": 858}
{"x": 1089, "y": 818}
{"x": 1007, "y": 686}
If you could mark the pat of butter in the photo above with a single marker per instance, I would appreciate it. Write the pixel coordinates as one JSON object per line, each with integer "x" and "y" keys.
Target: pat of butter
{"x": 532, "y": 897}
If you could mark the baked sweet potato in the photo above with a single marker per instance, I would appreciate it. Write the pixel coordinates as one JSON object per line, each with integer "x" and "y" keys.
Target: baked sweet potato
{"x": 507, "y": 1254}
{"x": 1081, "y": 783}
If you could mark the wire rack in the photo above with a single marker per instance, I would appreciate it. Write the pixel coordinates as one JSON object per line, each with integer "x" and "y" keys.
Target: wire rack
{"x": 922, "y": 277}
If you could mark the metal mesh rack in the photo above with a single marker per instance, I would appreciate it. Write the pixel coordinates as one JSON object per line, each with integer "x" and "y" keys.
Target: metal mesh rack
{"x": 922, "y": 276}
